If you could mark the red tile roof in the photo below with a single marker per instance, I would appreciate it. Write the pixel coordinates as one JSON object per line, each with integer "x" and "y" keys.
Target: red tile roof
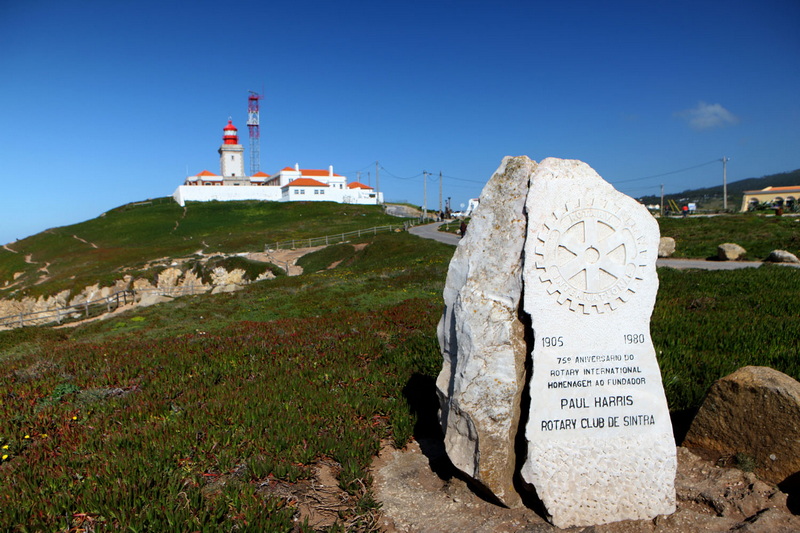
{"x": 306, "y": 182}
{"x": 206, "y": 173}
{"x": 314, "y": 172}
{"x": 357, "y": 185}
{"x": 260, "y": 174}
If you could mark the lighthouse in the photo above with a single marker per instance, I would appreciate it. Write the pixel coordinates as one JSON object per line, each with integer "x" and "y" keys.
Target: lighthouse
{"x": 231, "y": 156}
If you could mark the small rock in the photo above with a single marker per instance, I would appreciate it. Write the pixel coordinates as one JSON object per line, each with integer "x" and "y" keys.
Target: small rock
{"x": 666, "y": 246}
{"x": 755, "y": 413}
{"x": 730, "y": 252}
{"x": 782, "y": 256}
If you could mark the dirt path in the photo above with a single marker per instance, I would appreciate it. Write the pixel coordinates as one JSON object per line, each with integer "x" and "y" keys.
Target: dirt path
{"x": 5, "y": 246}
{"x": 93, "y": 245}
{"x": 285, "y": 259}
{"x": 420, "y": 491}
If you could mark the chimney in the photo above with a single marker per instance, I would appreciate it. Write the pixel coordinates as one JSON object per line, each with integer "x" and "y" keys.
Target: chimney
{"x": 330, "y": 171}
{"x": 297, "y": 167}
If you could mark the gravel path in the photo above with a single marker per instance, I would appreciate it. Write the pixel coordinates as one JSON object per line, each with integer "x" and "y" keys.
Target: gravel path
{"x": 431, "y": 231}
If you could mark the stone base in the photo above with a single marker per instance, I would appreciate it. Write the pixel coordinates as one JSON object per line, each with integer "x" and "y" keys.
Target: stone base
{"x": 589, "y": 481}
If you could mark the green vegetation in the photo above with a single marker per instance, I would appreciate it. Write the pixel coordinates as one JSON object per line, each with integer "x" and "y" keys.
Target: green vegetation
{"x": 698, "y": 237}
{"x": 252, "y": 269}
{"x": 124, "y": 239}
{"x": 186, "y": 416}
{"x": 707, "y": 324}
{"x": 324, "y": 258}
{"x": 182, "y": 416}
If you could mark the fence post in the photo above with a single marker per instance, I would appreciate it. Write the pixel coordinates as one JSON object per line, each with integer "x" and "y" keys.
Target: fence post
{"x": 326, "y": 240}
{"x": 87, "y": 308}
{"x": 21, "y": 319}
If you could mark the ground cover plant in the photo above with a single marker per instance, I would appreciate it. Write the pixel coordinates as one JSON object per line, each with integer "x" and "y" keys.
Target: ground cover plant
{"x": 185, "y": 416}
{"x": 698, "y": 237}
{"x": 182, "y": 418}
{"x": 125, "y": 239}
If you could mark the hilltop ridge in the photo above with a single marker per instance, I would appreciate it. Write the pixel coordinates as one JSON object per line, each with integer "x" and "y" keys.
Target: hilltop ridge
{"x": 125, "y": 240}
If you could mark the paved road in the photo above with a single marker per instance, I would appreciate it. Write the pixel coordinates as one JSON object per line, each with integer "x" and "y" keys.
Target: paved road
{"x": 431, "y": 231}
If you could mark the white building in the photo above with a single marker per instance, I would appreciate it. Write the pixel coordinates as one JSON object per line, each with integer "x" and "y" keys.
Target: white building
{"x": 287, "y": 185}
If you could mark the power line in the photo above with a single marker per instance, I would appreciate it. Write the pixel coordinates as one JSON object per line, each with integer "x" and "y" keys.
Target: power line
{"x": 400, "y": 177}
{"x": 668, "y": 173}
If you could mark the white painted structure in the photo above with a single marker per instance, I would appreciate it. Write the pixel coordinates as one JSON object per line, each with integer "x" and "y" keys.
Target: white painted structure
{"x": 287, "y": 185}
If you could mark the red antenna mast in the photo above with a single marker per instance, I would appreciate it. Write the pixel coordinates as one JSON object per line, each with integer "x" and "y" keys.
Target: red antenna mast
{"x": 255, "y": 135}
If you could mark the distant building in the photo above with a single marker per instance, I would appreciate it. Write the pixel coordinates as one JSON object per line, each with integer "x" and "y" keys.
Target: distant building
{"x": 784, "y": 197}
{"x": 287, "y": 185}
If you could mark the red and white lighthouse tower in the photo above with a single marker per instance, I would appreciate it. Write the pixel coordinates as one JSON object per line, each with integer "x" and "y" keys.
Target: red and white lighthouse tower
{"x": 231, "y": 155}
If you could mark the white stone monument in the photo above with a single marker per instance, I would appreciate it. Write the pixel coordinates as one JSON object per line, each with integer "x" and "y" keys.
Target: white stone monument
{"x": 599, "y": 444}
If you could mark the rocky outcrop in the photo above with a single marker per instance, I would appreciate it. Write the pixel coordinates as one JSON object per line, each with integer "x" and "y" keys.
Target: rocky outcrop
{"x": 730, "y": 252}
{"x": 482, "y": 337}
{"x": 753, "y": 415}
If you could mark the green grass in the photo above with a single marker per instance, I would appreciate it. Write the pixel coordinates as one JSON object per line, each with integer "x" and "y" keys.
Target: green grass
{"x": 322, "y": 259}
{"x": 698, "y": 237}
{"x": 707, "y": 324}
{"x": 179, "y": 417}
{"x": 243, "y": 388}
{"x": 126, "y": 238}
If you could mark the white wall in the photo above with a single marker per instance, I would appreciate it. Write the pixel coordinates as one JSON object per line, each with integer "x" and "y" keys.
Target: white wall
{"x": 223, "y": 193}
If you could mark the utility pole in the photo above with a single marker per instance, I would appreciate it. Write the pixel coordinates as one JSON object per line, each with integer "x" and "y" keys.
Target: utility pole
{"x": 662, "y": 199}
{"x": 725, "y": 182}
{"x": 424, "y": 195}
{"x": 440, "y": 191}
{"x": 377, "y": 182}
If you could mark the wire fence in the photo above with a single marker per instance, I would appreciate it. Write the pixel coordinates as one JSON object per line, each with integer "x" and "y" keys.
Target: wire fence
{"x": 93, "y": 308}
{"x": 331, "y": 239}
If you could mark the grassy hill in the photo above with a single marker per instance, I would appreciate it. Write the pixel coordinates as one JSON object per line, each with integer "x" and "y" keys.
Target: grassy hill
{"x": 212, "y": 412}
{"x": 710, "y": 198}
{"x": 125, "y": 239}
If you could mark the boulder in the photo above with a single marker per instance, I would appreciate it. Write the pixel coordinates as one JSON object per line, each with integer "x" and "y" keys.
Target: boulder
{"x": 730, "y": 252}
{"x": 782, "y": 256}
{"x": 231, "y": 287}
{"x": 482, "y": 337}
{"x": 753, "y": 414}
{"x": 666, "y": 247}
{"x": 152, "y": 298}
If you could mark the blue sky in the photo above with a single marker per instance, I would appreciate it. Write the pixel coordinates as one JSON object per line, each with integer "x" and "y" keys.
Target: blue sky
{"x": 104, "y": 103}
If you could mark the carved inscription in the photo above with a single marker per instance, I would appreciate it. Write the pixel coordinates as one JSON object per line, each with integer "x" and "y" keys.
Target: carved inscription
{"x": 597, "y": 391}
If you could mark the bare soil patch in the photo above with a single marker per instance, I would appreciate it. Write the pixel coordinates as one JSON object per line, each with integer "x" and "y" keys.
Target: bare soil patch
{"x": 421, "y": 491}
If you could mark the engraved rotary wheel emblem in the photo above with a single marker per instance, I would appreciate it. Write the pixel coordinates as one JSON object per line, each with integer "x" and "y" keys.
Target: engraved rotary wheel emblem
{"x": 590, "y": 258}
